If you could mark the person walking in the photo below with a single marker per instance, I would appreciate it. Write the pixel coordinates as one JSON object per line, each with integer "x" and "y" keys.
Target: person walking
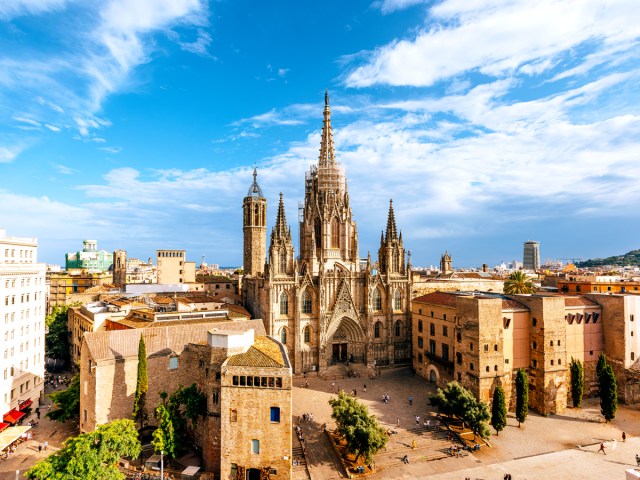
{"x": 39, "y": 447}
{"x": 397, "y": 422}
{"x": 417, "y": 420}
{"x": 365, "y": 388}
{"x": 410, "y": 400}
{"x": 46, "y": 445}
{"x": 413, "y": 444}
{"x": 624, "y": 437}
{"x": 602, "y": 448}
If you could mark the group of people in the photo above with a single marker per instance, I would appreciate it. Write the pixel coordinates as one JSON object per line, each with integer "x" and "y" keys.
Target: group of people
{"x": 507, "y": 476}
{"x": 56, "y": 380}
{"x": 454, "y": 450}
{"x": 385, "y": 398}
{"x": 306, "y": 417}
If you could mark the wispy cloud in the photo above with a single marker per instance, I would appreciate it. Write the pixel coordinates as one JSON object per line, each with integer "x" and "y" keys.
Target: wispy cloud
{"x": 113, "y": 150}
{"x": 7, "y": 154}
{"x": 64, "y": 169}
{"x": 15, "y": 8}
{"x": 272, "y": 117}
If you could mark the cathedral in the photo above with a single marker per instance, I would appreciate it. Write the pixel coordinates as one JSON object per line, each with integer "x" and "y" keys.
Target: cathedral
{"x": 326, "y": 306}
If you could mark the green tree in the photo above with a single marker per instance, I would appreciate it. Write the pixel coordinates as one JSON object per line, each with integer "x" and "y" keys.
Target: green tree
{"x": 601, "y": 365}
{"x": 518, "y": 282}
{"x": 608, "y": 394}
{"x": 577, "y": 381}
{"x": 455, "y": 400}
{"x": 522, "y": 396}
{"x": 363, "y": 435}
{"x": 57, "y": 339}
{"x": 194, "y": 401}
{"x": 498, "y": 410}
{"x": 91, "y": 456}
{"x": 164, "y": 436}
{"x": 66, "y": 403}
{"x": 139, "y": 403}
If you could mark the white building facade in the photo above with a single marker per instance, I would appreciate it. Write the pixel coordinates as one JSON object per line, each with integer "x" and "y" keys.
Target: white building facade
{"x": 22, "y": 327}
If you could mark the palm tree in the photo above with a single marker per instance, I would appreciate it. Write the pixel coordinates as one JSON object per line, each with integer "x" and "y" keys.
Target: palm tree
{"x": 518, "y": 282}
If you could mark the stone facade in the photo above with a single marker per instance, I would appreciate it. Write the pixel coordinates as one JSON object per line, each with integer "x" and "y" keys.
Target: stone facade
{"x": 120, "y": 269}
{"x": 215, "y": 357}
{"x": 322, "y": 305}
{"x": 481, "y": 339}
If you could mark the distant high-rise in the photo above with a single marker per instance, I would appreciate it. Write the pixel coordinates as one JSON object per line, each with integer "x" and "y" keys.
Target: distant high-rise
{"x": 531, "y": 257}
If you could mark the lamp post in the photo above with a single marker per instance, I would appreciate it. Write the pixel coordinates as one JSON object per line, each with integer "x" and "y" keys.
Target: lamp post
{"x": 162, "y": 464}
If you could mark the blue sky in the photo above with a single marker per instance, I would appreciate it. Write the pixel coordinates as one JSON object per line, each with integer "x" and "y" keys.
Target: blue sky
{"x": 138, "y": 123}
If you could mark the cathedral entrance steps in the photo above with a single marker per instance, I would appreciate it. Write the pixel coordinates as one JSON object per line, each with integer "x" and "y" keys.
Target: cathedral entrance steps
{"x": 350, "y": 370}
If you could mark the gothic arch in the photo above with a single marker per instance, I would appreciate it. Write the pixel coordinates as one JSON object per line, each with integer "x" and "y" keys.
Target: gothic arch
{"x": 398, "y": 329}
{"x": 397, "y": 299}
{"x": 284, "y": 303}
{"x": 307, "y": 334}
{"x": 376, "y": 299}
{"x": 349, "y": 326}
{"x": 335, "y": 233}
{"x": 283, "y": 335}
{"x": 306, "y": 301}
{"x": 378, "y": 330}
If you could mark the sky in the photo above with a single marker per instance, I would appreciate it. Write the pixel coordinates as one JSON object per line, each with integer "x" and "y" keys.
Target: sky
{"x": 489, "y": 123}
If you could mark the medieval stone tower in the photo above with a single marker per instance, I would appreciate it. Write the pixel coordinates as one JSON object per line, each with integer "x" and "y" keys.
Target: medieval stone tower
{"x": 120, "y": 268}
{"x": 255, "y": 228}
{"x": 323, "y": 306}
{"x": 446, "y": 266}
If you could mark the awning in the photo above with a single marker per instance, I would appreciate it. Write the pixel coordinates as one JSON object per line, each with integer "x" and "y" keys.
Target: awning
{"x": 13, "y": 416}
{"x": 3, "y": 426}
{"x": 190, "y": 471}
{"x": 10, "y": 435}
{"x": 26, "y": 404}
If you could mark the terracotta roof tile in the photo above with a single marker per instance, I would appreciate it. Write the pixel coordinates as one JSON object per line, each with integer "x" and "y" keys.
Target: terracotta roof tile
{"x": 438, "y": 298}
{"x": 265, "y": 352}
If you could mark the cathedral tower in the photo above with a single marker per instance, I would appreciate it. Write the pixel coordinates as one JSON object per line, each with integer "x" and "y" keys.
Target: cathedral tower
{"x": 120, "y": 268}
{"x": 446, "y": 264}
{"x": 391, "y": 253}
{"x": 281, "y": 258}
{"x": 254, "y": 211}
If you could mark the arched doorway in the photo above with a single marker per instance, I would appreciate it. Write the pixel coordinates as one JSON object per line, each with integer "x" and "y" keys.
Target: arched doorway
{"x": 346, "y": 343}
{"x": 434, "y": 375}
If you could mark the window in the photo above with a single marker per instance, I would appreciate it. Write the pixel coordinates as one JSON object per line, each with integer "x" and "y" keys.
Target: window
{"x": 459, "y": 335}
{"x": 471, "y": 347}
{"x": 335, "y": 233}
{"x": 419, "y": 358}
{"x": 551, "y": 343}
{"x": 420, "y": 342}
{"x": 173, "y": 363}
{"x": 534, "y": 345}
{"x": 506, "y": 360}
{"x": 283, "y": 262}
{"x": 459, "y": 377}
{"x": 398, "y": 329}
{"x": 284, "y": 303}
{"x": 376, "y": 300}
{"x": 432, "y": 313}
{"x": 487, "y": 368}
{"x": 633, "y": 356}
{"x": 486, "y": 347}
{"x": 432, "y": 347}
{"x": 444, "y": 316}
{"x": 307, "y": 334}
{"x": 376, "y": 330}
{"x": 459, "y": 358}
{"x": 306, "y": 301}
{"x": 559, "y": 361}
{"x": 445, "y": 352}
{"x": 551, "y": 362}
{"x": 397, "y": 300}
{"x": 233, "y": 415}
{"x": 535, "y": 363}
{"x": 275, "y": 414}
{"x": 445, "y": 331}
{"x": 283, "y": 336}
{"x": 471, "y": 366}
{"x": 432, "y": 329}
{"x": 534, "y": 321}
{"x": 631, "y": 318}
{"x": 495, "y": 347}
{"x": 215, "y": 398}
{"x": 419, "y": 326}
{"x": 255, "y": 446}
{"x": 495, "y": 368}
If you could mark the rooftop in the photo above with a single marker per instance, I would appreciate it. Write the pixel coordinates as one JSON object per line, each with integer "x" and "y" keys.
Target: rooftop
{"x": 265, "y": 352}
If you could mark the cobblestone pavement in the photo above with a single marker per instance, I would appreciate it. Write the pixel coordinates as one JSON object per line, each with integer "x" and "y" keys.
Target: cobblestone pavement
{"x": 27, "y": 454}
{"x": 543, "y": 447}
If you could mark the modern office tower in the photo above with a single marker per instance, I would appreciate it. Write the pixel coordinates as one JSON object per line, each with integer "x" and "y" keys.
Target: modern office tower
{"x": 531, "y": 258}
{"x": 22, "y": 313}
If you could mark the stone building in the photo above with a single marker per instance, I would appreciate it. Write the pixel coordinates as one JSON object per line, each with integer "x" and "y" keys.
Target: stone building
{"x": 245, "y": 376}
{"x": 173, "y": 267}
{"x": 481, "y": 339}
{"x": 322, "y": 305}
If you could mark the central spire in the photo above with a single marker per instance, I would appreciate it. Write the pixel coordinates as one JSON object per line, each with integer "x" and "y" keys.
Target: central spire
{"x": 391, "y": 224}
{"x": 281, "y": 222}
{"x": 326, "y": 142}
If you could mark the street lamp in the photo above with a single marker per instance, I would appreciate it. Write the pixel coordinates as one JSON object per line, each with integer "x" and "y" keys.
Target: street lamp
{"x": 162, "y": 464}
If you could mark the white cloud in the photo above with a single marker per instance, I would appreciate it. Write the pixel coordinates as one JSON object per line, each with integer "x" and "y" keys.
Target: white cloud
{"x": 28, "y": 121}
{"x": 53, "y": 128}
{"x": 64, "y": 169}
{"x": 15, "y": 8}
{"x": 7, "y": 154}
{"x": 389, "y": 6}
{"x": 271, "y": 117}
{"x": 113, "y": 150}
{"x": 497, "y": 39}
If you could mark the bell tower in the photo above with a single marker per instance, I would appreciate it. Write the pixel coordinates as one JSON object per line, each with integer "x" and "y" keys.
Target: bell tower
{"x": 254, "y": 228}
{"x": 120, "y": 268}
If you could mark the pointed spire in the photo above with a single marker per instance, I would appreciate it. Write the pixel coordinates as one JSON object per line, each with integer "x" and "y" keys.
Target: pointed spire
{"x": 326, "y": 141}
{"x": 254, "y": 189}
{"x": 391, "y": 224}
{"x": 280, "y": 228}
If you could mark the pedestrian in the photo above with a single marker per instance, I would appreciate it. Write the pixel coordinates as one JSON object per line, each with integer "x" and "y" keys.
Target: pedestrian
{"x": 413, "y": 444}
{"x": 427, "y": 424}
{"x": 365, "y": 388}
{"x": 410, "y": 400}
{"x": 397, "y": 422}
{"x": 602, "y": 448}
{"x": 417, "y": 420}
{"x": 637, "y": 460}
{"x": 333, "y": 387}
{"x": 46, "y": 445}
{"x": 38, "y": 412}
{"x": 39, "y": 447}
{"x": 405, "y": 459}
{"x": 624, "y": 437}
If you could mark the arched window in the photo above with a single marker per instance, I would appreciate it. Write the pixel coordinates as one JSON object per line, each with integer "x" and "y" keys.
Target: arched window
{"x": 376, "y": 330}
{"x": 376, "y": 300}
{"x": 283, "y": 262}
{"x": 397, "y": 300}
{"x": 283, "y": 336}
{"x": 396, "y": 261}
{"x": 307, "y": 334}
{"x": 318, "y": 232}
{"x": 305, "y": 302}
{"x": 398, "y": 328}
{"x": 335, "y": 233}
{"x": 284, "y": 303}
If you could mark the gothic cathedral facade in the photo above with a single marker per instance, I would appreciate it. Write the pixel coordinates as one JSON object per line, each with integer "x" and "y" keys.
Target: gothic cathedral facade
{"x": 326, "y": 306}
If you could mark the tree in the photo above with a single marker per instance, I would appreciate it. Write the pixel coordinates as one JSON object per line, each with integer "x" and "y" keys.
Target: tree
{"x": 57, "y": 339}
{"x": 139, "y": 403}
{"x": 577, "y": 381}
{"x": 498, "y": 410}
{"x": 363, "y": 435}
{"x": 608, "y": 394}
{"x": 522, "y": 396}
{"x": 92, "y": 455}
{"x": 164, "y": 436}
{"x": 601, "y": 365}
{"x": 66, "y": 402}
{"x": 455, "y": 400}
{"x": 518, "y": 282}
